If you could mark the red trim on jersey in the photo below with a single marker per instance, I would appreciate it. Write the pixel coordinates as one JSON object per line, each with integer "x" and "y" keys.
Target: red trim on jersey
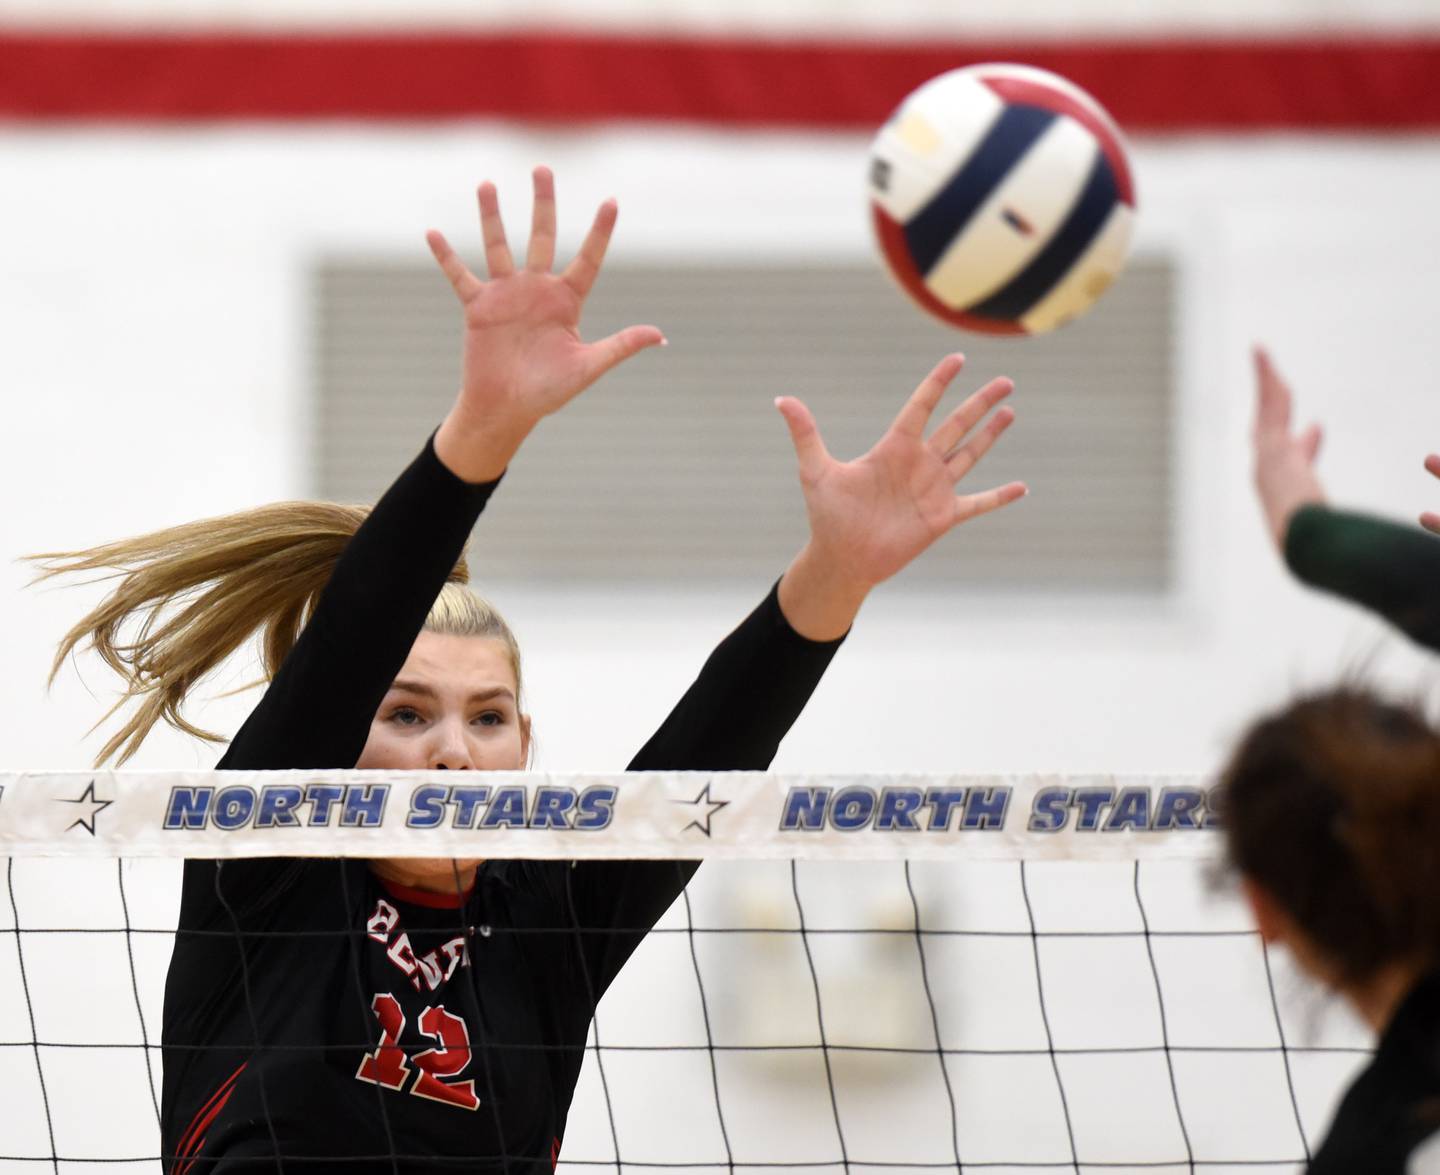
{"x": 427, "y": 897}
{"x": 193, "y": 1140}
{"x": 1173, "y": 84}
{"x": 1013, "y": 89}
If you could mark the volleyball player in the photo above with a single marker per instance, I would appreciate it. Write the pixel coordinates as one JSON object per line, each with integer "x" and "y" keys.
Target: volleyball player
{"x": 329, "y": 1014}
{"x": 1333, "y": 811}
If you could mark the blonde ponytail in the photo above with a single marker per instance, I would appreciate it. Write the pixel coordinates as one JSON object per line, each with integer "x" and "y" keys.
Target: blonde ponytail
{"x": 188, "y": 597}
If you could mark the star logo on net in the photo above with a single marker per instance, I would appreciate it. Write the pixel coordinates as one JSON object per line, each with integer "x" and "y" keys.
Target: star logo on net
{"x": 90, "y": 808}
{"x": 701, "y": 810}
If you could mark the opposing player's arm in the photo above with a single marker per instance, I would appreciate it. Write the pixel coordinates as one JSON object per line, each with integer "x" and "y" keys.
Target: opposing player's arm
{"x": 869, "y": 518}
{"x": 1388, "y": 567}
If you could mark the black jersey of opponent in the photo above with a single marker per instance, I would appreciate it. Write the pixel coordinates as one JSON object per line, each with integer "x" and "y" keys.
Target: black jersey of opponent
{"x": 1389, "y": 1122}
{"x": 362, "y": 1020}
{"x": 1387, "y": 567}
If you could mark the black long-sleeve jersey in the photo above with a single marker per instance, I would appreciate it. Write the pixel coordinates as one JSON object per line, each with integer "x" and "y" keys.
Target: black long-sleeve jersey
{"x": 1389, "y": 1121}
{"x": 318, "y": 1018}
{"x": 1390, "y": 568}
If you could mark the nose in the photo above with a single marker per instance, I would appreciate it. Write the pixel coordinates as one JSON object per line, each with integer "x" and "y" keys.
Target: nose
{"x": 450, "y": 750}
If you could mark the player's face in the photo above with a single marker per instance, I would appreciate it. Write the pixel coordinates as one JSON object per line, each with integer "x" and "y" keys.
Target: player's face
{"x": 451, "y": 707}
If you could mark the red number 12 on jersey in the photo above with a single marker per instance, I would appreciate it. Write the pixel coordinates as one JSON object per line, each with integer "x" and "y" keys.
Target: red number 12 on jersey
{"x": 388, "y": 1065}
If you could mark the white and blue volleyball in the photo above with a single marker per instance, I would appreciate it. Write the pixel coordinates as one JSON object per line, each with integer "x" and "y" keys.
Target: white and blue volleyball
{"x": 1002, "y": 198}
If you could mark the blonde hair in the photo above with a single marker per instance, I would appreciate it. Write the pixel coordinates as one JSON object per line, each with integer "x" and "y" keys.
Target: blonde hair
{"x": 190, "y": 596}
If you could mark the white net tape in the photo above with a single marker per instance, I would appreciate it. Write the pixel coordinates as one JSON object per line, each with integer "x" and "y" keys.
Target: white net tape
{"x": 724, "y": 815}
{"x": 1018, "y": 973}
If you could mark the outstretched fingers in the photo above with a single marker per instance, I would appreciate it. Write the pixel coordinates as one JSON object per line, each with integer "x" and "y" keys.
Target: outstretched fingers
{"x": 1272, "y": 411}
{"x": 973, "y": 505}
{"x": 541, "y": 254}
{"x": 953, "y": 428}
{"x": 462, "y": 281}
{"x": 585, "y": 268}
{"x": 804, "y": 435}
{"x": 963, "y": 459}
{"x": 916, "y": 413}
{"x": 492, "y": 229}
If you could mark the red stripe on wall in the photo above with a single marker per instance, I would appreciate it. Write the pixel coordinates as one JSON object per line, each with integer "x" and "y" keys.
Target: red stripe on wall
{"x": 1175, "y": 85}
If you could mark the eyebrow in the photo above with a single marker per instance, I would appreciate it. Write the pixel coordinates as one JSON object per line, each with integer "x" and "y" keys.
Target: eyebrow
{"x": 484, "y": 695}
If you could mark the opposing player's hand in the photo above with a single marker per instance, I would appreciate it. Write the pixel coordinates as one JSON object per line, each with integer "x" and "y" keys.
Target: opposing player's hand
{"x": 872, "y": 516}
{"x": 1429, "y": 519}
{"x": 523, "y": 354}
{"x": 1285, "y": 475}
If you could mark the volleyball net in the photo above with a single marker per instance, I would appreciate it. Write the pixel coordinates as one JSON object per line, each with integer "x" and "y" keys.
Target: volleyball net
{"x": 998, "y": 973}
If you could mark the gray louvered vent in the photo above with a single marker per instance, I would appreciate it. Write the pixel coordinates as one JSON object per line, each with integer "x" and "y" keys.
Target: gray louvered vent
{"x": 677, "y": 467}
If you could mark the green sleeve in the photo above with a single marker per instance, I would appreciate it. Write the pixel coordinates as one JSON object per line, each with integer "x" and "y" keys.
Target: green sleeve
{"x": 1385, "y": 566}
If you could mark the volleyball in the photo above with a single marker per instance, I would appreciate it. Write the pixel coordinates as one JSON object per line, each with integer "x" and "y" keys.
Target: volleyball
{"x": 1002, "y": 199}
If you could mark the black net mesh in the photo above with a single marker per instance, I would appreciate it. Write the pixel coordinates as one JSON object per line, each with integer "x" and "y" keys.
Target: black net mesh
{"x": 796, "y": 1016}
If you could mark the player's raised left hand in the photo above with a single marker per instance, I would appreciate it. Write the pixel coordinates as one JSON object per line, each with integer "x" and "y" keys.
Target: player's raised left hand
{"x": 872, "y": 516}
{"x": 523, "y": 356}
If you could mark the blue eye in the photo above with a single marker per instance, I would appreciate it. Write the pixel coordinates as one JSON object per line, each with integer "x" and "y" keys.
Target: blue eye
{"x": 491, "y": 718}
{"x": 405, "y": 716}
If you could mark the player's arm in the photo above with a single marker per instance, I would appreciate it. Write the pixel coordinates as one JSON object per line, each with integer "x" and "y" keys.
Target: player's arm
{"x": 1390, "y": 568}
{"x": 868, "y": 519}
{"x": 523, "y": 359}
{"x": 317, "y": 710}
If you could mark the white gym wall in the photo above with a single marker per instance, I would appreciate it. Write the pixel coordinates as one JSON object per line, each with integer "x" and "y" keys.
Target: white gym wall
{"x": 155, "y": 368}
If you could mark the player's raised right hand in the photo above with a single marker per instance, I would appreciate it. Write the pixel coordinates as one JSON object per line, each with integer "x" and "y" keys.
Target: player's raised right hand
{"x": 1285, "y": 476}
{"x": 523, "y": 354}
